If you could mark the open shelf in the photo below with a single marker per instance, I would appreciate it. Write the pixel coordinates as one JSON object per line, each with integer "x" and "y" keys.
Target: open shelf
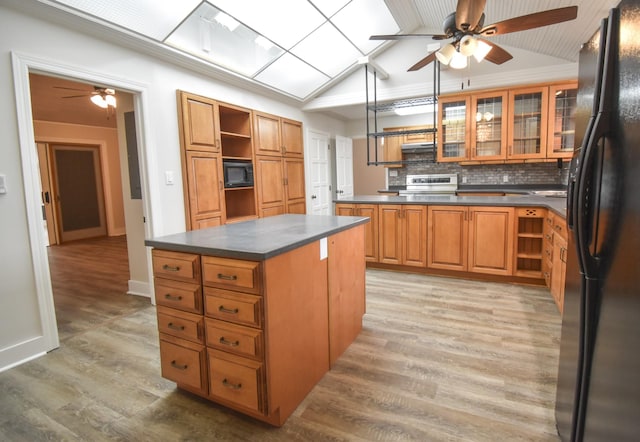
{"x": 240, "y": 202}
{"x": 235, "y": 120}
{"x": 530, "y": 238}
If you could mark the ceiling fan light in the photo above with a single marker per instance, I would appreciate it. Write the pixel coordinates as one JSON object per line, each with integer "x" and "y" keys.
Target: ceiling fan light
{"x": 445, "y": 53}
{"x": 110, "y": 100}
{"x": 482, "y": 49}
{"x": 458, "y": 61}
{"x": 468, "y": 45}
{"x": 99, "y": 101}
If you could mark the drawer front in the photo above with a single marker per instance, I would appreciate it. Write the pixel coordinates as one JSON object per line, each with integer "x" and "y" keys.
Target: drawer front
{"x": 179, "y": 295}
{"x": 180, "y": 324}
{"x": 176, "y": 265}
{"x": 233, "y": 306}
{"x": 560, "y": 227}
{"x": 183, "y": 365}
{"x": 238, "y": 380}
{"x": 237, "y": 339}
{"x": 234, "y": 274}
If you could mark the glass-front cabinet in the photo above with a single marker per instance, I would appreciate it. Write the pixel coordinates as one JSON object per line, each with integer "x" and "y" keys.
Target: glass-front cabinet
{"x": 453, "y": 129}
{"x": 488, "y": 127}
{"x": 562, "y": 120}
{"x": 527, "y": 131}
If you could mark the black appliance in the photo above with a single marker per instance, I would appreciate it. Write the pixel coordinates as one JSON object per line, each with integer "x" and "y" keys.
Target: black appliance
{"x": 598, "y": 390}
{"x": 237, "y": 173}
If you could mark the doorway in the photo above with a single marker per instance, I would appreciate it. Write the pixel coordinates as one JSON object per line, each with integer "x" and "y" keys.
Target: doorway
{"x": 72, "y": 192}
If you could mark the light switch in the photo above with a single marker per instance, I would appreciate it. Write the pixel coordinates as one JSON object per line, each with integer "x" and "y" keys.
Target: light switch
{"x": 168, "y": 177}
{"x": 3, "y": 183}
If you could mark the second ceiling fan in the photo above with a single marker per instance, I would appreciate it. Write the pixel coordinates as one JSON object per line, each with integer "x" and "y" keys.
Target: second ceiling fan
{"x": 466, "y": 28}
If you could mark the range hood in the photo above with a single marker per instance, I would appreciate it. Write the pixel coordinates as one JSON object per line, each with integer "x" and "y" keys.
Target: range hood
{"x": 418, "y": 148}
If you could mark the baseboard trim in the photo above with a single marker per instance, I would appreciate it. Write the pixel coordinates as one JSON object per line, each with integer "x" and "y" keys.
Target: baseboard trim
{"x": 139, "y": 288}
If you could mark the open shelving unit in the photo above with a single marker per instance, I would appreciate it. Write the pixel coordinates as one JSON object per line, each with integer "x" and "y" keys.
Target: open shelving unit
{"x": 237, "y": 145}
{"x": 530, "y": 236}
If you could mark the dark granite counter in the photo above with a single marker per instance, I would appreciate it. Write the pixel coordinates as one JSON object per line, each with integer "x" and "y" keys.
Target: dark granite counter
{"x": 558, "y": 205}
{"x": 257, "y": 239}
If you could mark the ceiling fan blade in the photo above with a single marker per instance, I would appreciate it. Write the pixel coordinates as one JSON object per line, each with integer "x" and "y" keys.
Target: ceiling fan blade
{"x": 422, "y": 63}
{"x": 468, "y": 14}
{"x": 496, "y": 55}
{"x": 531, "y": 21}
{"x": 70, "y": 88}
{"x": 403, "y": 36}
{"x": 76, "y": 96}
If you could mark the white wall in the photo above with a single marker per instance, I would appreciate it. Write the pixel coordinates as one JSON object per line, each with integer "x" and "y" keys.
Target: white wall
{"x": 20, "y": 321}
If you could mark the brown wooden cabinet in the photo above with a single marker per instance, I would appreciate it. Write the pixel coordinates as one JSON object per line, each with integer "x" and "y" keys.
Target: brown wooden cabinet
{"x": 559, "y": 261}
{"x": 529, "y": 259}
{"x": 392, "y": 147}
{"x": 488, "y": 137}
{"x": 527, "y": 119}
{"x": 402, "y": 235}
{"x": 562, "y": 120}
{"x": 198, "y": 118}
{"x": 454, "y": 128}
{"x": 203, "y": 189}
{"x": 474, "y": 239}
{"x": 371, "y": 228}
{"x": 255, "y": 336}
{"x": 279, "y": 165}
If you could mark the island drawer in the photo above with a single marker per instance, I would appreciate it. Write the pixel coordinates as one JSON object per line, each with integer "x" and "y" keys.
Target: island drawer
{"x": 183, "y": 362}
{"x": 235, "y": 307}
{"x": 234, "y": 274}
{"x": 176, "y": 265}
{"x": 237, "y": 380}
{"x": 237, "y": 339}
{"x": 181, "y": 324}
{"x": 179, "y": 295}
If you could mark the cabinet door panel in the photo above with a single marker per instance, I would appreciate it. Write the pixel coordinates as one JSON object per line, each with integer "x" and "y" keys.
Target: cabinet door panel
{"x": 199, "y": 123}
{"x": 267, "y": 134}
{"x": 292, "y": 138}
{"x": 204, "y": 186}
{"x": 371, "y": 229}
{"x": 414, "y": 236}
{"x": 294, "y": 179}
{"x": 390, "y": 239}
{"x": 270, "y": 180}
{"x": 447, "y": 238}
{"x": 491, "y": 240}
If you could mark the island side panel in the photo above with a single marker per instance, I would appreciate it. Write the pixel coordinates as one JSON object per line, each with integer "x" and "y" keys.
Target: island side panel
{"x": 297, "y": 326}
{"x": 347, "y": 301}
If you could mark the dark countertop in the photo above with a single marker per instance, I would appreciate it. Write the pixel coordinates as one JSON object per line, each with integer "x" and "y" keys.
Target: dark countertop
{"x": 258, "y": 239}
{"x": 558, "y": 205}
{"x": 524, "y": 189}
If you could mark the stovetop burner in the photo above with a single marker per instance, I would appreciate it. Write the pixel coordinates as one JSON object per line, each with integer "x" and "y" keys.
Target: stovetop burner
{"x": 443, "y": 184}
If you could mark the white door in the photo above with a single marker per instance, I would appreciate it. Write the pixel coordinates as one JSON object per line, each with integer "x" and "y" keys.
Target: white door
{"x": 344, "y": 167}
{"x": 320, "y": 178}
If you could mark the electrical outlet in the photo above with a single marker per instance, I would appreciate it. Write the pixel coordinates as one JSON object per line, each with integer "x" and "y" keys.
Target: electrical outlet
{"x": 464, "y": 180}
{"x": 505, "y": 179}
{"x": 393, "y": 173}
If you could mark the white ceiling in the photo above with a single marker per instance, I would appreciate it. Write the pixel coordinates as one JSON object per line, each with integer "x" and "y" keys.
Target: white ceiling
{"x": 155, "y": 21}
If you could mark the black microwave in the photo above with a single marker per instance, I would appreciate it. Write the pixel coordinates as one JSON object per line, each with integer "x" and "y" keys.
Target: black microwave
{"x": 237, "y": 173}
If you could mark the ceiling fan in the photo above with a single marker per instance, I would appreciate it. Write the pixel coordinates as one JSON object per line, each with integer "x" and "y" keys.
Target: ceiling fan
{"x": 100, "y": 96}
{"x": 466, "y": 28}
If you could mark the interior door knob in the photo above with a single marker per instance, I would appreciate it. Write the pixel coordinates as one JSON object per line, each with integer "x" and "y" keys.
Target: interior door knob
{"x": 313, "y": 197}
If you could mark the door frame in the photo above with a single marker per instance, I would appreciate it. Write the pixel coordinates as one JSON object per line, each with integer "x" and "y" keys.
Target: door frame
{"x": 309, "y": 169}
{"x": 22, "y": 64}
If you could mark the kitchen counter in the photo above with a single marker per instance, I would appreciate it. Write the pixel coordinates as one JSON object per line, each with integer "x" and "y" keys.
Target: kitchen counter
{"x": 258, "y": 239}
{"x": 557, "y": 205}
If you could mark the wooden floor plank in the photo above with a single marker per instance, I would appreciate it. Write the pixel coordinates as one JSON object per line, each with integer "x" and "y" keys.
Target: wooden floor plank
{"x": 437, "y": 359}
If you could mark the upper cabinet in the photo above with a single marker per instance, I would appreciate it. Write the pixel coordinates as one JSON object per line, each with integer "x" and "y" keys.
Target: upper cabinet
{"x": 513, "y": 125}
{"x": 198, "y": 123}
{"x": 453, "y": 128}
{"x": 527, "y": 133}
{"x": 562, "y": 120}
{"x": 277, "y": 136}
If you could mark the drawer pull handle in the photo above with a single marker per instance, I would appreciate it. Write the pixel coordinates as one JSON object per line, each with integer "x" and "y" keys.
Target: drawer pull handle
{"x": 231, "y": 311}
{"x": 227, "y": 277}
{"x": 223, "y": 341}
{"x": 169, "y": 268}
{"x": 174, "y": 364}
{"x": 170, "y": 297}
{"x": 228, "y": 384}
{"x": 175, "y": 327}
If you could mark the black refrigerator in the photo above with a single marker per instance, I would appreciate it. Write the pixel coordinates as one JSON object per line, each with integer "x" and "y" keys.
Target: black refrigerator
{"x": 598, "y": 390}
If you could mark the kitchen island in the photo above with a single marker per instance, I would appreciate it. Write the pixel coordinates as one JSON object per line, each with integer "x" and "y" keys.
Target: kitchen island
{"x": 251, "y": 315}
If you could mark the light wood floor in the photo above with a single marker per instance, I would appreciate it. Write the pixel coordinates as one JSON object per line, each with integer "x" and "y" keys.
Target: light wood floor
{"x": 438, "y": 359}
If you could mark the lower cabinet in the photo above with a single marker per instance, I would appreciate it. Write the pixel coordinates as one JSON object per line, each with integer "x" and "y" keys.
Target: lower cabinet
{"x": 472, "y": 239}
{"x": 255, "y": 336}
{"x": 371, "y": 228}
{"x": 403, "y": 235}
{"x": 281, "y": 186}
{"x": 559, "y": 261}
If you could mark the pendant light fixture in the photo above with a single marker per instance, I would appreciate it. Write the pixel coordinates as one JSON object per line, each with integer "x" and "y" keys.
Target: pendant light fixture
{"x": 104, "y": 98}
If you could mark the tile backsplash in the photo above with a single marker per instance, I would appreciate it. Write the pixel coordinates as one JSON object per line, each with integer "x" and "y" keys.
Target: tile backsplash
{"x": 527, "y": 173}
